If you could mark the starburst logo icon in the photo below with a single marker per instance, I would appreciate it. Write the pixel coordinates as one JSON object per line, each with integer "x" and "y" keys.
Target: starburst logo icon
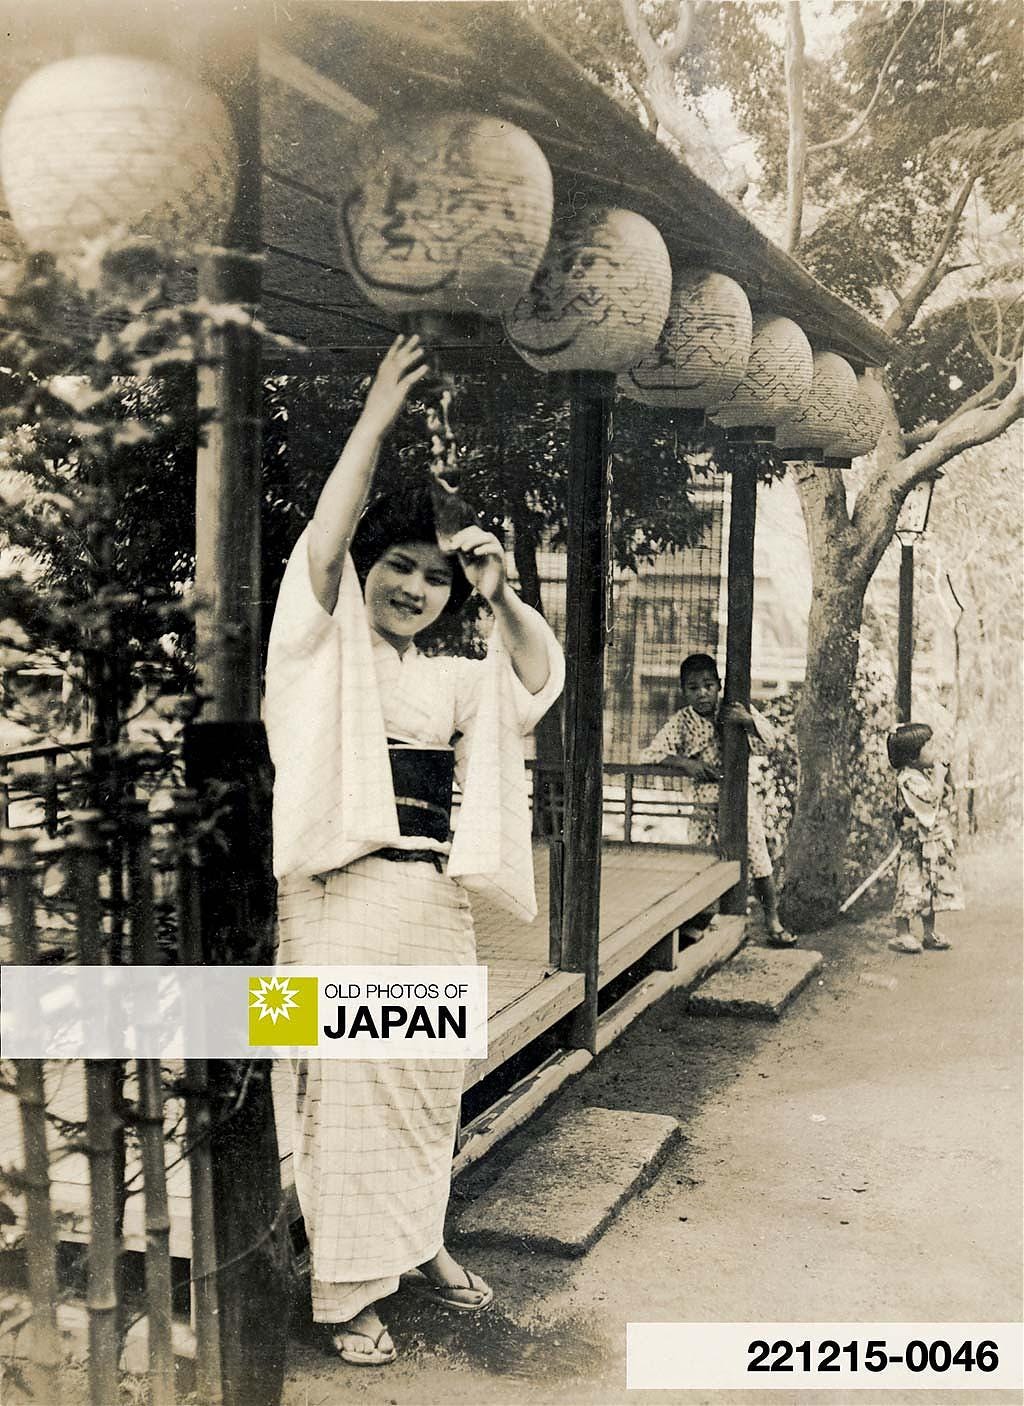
{"x": 283, "y": 1010}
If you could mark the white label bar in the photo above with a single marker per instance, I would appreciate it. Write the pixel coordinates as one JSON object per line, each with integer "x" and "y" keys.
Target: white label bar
{"x": 344, "y": 1012}
{"x": 824, "y": 1356}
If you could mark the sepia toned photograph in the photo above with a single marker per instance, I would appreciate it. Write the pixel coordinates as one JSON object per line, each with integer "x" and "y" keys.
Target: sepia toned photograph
{"x": 511, "y": 704}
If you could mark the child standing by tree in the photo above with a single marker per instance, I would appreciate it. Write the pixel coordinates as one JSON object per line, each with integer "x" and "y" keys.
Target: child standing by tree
{"x": 926, "y": 875}
{"x": 692, "y": 741}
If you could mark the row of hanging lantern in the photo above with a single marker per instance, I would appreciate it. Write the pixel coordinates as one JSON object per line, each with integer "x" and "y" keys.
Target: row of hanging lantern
{"x": 450, "y": 215}
{"x": 454, "y": 215}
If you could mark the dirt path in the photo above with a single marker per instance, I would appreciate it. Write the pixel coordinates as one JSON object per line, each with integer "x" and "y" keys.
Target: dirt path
{"x": 858, "y": 1161}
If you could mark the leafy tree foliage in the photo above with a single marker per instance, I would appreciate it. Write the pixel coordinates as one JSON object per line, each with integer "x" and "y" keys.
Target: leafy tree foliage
{"x": 905, "y": 186}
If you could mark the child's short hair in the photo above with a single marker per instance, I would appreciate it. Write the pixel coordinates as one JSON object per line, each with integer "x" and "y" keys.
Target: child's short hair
{"x": 905, "y": 743}
{"x": 698, "y": 664}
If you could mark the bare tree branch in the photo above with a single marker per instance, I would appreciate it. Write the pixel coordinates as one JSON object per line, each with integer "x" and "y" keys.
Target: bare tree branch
{"x": 991, "y": 355}
{"x": 964, "y": 431}
{"x": 660, "y": 63}
{"x": 934, "y": 271}
{"x": 796, "y": 155}
{"x": 859, "y": 122}
{"x": 676, "y": 46}
{"x": 654, "y": 54}
{"x": 647, "y": 107}
{"x": 984, "y": 397}
{"x": 879, "y": 502}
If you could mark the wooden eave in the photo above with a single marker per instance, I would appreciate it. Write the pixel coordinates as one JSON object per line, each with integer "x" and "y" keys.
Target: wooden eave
{"x": 327, "y": 66}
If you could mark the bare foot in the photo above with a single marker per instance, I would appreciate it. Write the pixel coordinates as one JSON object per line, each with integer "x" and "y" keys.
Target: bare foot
{"x": 448, "y": 1283}
{"x": 444, "y": 1271}
{"x": 364, "y": 1341}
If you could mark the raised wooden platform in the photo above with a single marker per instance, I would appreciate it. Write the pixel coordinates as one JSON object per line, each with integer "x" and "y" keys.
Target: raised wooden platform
{"x": 647, "y": 892}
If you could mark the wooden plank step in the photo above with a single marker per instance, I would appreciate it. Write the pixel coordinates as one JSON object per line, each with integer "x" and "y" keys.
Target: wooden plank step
{"x": 632, "y": 939}
{"x": 525, "y": 1018}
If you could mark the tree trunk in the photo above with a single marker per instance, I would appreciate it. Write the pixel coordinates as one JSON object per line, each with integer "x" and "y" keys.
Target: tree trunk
{"x": 825, "y": 731}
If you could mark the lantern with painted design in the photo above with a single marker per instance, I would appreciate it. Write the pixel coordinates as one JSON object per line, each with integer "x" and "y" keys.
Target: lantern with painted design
{"x": 866, "y": 420}
{"x": 827, "y": 410}
{"x": 777, "y": 378}
{"x": 111, "y": 146}
{"x": 450, "y": 213}
{"x": 600, "y": 297}
{"x": 703, "y": 349}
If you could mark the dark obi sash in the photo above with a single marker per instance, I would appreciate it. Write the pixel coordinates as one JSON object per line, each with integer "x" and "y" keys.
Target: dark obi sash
{"x": 422, "y": 779}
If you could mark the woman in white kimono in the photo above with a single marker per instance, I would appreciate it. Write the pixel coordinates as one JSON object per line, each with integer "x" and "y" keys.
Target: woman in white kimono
{"x": 367, "y": 876}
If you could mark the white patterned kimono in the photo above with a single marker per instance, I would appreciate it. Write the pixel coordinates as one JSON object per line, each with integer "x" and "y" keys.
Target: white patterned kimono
{"x": 687, "y": 734}
{"x": 373, "y": 1140}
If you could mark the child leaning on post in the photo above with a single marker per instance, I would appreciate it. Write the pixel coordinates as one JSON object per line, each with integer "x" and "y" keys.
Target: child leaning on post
{"x": 691, "y": 740}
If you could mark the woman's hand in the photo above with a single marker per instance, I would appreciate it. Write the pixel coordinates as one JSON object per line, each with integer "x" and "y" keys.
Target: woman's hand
{"x": 483, "y": 560}
{"x": 402, "y": 367}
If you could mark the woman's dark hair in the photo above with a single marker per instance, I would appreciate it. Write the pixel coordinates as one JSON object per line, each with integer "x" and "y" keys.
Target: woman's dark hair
{"x": 407, "y": 517}
{"x": 905, "y": 743}
{"x": 698, "y": 664}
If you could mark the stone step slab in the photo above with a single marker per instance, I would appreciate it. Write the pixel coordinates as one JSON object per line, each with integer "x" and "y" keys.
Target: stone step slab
{"x": 758, "y": 983}
{"x": 568, "y": 1184}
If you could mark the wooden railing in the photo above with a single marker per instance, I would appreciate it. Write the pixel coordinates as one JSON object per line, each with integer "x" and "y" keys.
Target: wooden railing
{"x": 623, "y": 800}
{"x": 27, "y": 802}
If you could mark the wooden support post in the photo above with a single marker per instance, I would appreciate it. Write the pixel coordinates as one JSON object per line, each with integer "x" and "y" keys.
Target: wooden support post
{"x": 905, "y": 636}
{"x": 585, "y": 620}
{"x": 226, "y": 755}
{"x": 732, "y": 814}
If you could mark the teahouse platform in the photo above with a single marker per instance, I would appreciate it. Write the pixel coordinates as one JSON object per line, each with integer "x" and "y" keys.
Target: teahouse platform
{"x": 648, "y": 891}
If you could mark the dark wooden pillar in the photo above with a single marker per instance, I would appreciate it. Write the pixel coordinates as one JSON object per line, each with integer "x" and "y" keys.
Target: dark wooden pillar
{"x": 905, "y": 636}
{"x": 226, "y": 753}
{"x": 585, "y": 621}
{"x": 732, "y": 820}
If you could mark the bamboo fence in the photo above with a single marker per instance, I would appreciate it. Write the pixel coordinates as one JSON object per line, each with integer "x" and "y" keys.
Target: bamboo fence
{"x": 82, "y": 845}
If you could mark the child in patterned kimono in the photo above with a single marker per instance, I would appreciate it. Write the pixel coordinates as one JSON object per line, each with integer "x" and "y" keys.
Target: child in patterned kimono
{"x": 692, "y": 741}
{"x": 926, "y": 873}
{"x": 368, "y": 872}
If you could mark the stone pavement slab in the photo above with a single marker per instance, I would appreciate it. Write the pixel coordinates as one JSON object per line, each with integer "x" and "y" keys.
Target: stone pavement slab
{"x": 759, "y": 982}
{"x": 566, "y": 1187}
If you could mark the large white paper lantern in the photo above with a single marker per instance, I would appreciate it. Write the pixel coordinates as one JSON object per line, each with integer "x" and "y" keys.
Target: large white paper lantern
{"x": 777, "y": 378}
{"x": 866, "y": 420}
{"x": 827, "y": 410}
{"x": 450, "y": 213}
{"x": 108, "y": 146}
{"x": 600, "y": 297}
{"x": 703, "y": 349}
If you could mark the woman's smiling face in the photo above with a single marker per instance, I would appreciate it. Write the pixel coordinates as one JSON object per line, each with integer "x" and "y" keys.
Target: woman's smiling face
{"x": 406, "y": 590}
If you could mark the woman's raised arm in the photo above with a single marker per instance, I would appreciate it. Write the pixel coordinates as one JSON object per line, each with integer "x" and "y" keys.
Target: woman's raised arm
{"x": 344, "y": 494}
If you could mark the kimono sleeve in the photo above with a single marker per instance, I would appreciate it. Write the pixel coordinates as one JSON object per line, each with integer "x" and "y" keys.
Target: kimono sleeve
{"x": 470, "y": 675}
{"x": 300, "y": 623}
{"x": 665, "y": 743}
{"x": 917, "y": 795}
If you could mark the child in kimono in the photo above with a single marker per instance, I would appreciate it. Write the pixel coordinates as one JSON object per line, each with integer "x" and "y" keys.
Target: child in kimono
{"x": 691, "y": 740}
{"x": 368, "y": 872}
{"x": 926, "y": 873}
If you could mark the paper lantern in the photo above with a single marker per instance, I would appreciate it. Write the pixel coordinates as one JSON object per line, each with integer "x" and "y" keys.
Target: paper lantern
{"x": 703, "y": 349}
{"x": 866, "y": 420}
{"x": 827, "y": 411}
{"x": 450, "y": 213}
{"x": 107, "y": 146}
{"x": 777, "y": 378}
{"x": 599, "y": 299}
